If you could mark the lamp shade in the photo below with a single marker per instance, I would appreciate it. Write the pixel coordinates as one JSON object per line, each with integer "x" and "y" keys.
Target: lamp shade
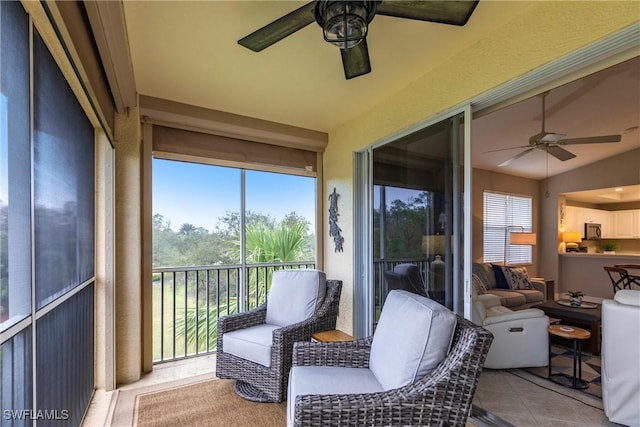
{"x": 522, "y": 239}
{"x": 571, "y": 237}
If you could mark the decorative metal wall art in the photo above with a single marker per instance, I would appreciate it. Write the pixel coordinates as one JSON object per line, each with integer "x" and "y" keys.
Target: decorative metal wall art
{"x": 334, "y": 230}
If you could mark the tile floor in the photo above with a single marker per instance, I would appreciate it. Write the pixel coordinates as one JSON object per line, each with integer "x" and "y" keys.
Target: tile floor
{"x": 525, "y": 400}
{"x": 519, "y": 398}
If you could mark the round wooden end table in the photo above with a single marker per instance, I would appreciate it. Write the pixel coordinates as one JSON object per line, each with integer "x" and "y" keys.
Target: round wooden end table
{"x": 577, "y": 335}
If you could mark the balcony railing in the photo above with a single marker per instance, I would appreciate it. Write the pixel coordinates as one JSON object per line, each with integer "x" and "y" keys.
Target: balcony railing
{"x": 187, "y": 302}
{"x": 382, "y": 265}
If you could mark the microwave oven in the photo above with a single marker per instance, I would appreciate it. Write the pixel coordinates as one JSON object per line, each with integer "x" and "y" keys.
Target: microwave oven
{"x": 592, "y": 231}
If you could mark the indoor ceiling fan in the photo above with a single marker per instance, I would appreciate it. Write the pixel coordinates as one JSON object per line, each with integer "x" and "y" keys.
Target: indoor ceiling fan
{"x": 345, "y": 24}
{"x": 552, "y": 142}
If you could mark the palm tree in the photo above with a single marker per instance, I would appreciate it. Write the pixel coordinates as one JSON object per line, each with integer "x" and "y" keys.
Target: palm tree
{"x": 187, "y": 229}
{"x": 285, "y": 242}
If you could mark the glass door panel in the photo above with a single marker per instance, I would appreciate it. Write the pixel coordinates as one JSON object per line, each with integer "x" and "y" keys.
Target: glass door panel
{"x": 417, "y": 202}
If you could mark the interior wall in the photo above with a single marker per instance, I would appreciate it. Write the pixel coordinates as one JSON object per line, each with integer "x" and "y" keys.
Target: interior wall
{"x": 544, "y": 32}
{"x": 492, "y": 181}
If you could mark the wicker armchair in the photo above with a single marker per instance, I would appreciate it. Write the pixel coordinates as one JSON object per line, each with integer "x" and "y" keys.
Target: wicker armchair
{"x": 261, "y": 383}
{"x": 443, "y": 397}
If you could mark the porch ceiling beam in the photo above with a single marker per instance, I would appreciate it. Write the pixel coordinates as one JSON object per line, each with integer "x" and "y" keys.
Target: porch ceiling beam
{"x": 189, "y": 117}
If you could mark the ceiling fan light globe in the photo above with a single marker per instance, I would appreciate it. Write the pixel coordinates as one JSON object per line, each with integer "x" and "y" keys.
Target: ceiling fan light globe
{"x": 344, "y": 23}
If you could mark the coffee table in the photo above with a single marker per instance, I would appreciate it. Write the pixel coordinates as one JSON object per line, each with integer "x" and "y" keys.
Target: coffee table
{"x": 587, "y": 318}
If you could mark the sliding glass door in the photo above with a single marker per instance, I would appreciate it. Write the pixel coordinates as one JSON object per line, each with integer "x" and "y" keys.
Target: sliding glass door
{"x": 412, "y": 192}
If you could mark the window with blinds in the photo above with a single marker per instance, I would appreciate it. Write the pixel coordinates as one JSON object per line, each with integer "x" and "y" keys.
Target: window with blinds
{"x": 504, "y": 213}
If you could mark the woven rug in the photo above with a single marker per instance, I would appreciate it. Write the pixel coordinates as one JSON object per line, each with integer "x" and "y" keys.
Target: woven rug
{"x": 562, "y": 362}
{"x": 211, "y": 402}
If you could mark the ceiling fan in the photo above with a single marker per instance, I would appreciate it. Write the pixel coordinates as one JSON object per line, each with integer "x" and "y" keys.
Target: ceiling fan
{"x": 345, "y": 24}
{"x": 552, "y": 142}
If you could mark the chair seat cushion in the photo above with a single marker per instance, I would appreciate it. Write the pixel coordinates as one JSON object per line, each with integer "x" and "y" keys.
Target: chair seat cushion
{"x": 295, "y": 295}
{"x": 509, "y": 298}
{"x": 531, "y": 295}
{"x": 305, "y": 380}
{"x": 253, "y": 343}
{"x": 412, "y": 337}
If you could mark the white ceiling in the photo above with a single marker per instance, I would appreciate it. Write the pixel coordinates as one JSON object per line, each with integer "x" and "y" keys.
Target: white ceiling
{"x": 187, "y": 51}
{"x": 604, "y": 103}
{"x": 603, "y": 196}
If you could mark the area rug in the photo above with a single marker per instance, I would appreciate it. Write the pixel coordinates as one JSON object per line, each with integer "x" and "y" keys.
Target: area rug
{"x": 208, "y": 403}
{"x": 562, "y": 362}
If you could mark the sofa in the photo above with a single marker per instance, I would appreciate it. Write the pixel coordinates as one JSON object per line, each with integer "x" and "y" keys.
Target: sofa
{"x": 514, "y": 287}
{"x": 620, "y": 357}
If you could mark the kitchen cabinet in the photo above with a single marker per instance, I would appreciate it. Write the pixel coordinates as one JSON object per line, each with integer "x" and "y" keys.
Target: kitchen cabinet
{"x": 627, "y": 224}
{"x": 576, "y": 217}
{"x": 604, "y": 218}
{"x": 573, "y": 220}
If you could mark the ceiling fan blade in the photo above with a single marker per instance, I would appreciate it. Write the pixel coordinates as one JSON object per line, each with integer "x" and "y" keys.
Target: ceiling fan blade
{"x": 355, "y": 61}
{"x": 444, "y": 12}
{"x": 279, "y": 29}
{"x": 591, "y": 140}
{"x": 517, "y": 156}
{"x": 559, "y": 153}
{"x": 508, "y": 148}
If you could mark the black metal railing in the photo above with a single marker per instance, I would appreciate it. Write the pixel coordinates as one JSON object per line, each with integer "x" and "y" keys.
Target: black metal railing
{"x": 380, "y": 285}
{"x": 187, "y": 302}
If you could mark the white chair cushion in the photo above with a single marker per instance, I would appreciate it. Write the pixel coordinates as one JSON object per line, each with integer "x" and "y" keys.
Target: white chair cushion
{"x": 253, "y": 343}
{"x": 627, "y": 297}
{"x": 305, "y": 380}
{"x": 295, "y": 295}
{"x": 412, "y": 337}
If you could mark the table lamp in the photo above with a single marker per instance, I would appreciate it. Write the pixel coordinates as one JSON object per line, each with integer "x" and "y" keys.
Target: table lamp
{"x": 571, "y": 240}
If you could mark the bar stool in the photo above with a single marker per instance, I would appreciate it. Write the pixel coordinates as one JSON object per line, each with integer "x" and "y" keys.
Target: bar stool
{"x": 620, "y": 281}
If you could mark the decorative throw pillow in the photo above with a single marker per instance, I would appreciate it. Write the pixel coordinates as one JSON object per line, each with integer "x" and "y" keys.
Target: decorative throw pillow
{"x": 477, "y": 284}
{"x": 478, "y": 270}
{"x": 501, "y": 281}
{"x": 517, "y": 277}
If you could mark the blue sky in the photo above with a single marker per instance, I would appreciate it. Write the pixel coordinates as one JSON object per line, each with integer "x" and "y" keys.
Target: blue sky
{"x": 200, "y": 194}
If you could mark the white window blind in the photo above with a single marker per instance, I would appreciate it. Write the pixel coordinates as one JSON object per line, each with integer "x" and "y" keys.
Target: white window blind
{"x": 505, "y": 213}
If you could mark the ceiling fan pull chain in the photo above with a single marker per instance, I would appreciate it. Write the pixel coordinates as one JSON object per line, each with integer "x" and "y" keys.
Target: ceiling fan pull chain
{"x": 546, "y": 184}
{"x": 544, "y": 98}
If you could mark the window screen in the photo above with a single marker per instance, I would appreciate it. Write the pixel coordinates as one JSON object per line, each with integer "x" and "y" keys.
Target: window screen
{"x": 63, "y": 182}
{"x": 504, "y": 213}
{"x": 15, "y": 168}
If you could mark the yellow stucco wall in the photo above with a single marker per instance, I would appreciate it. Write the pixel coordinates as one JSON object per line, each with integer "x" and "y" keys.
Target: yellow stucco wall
{"x": 545, "y": 31}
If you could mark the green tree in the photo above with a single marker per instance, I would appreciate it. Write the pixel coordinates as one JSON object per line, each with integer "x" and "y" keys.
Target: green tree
{"x": 186, "y": 229}
{"x": 266, "y": 241}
